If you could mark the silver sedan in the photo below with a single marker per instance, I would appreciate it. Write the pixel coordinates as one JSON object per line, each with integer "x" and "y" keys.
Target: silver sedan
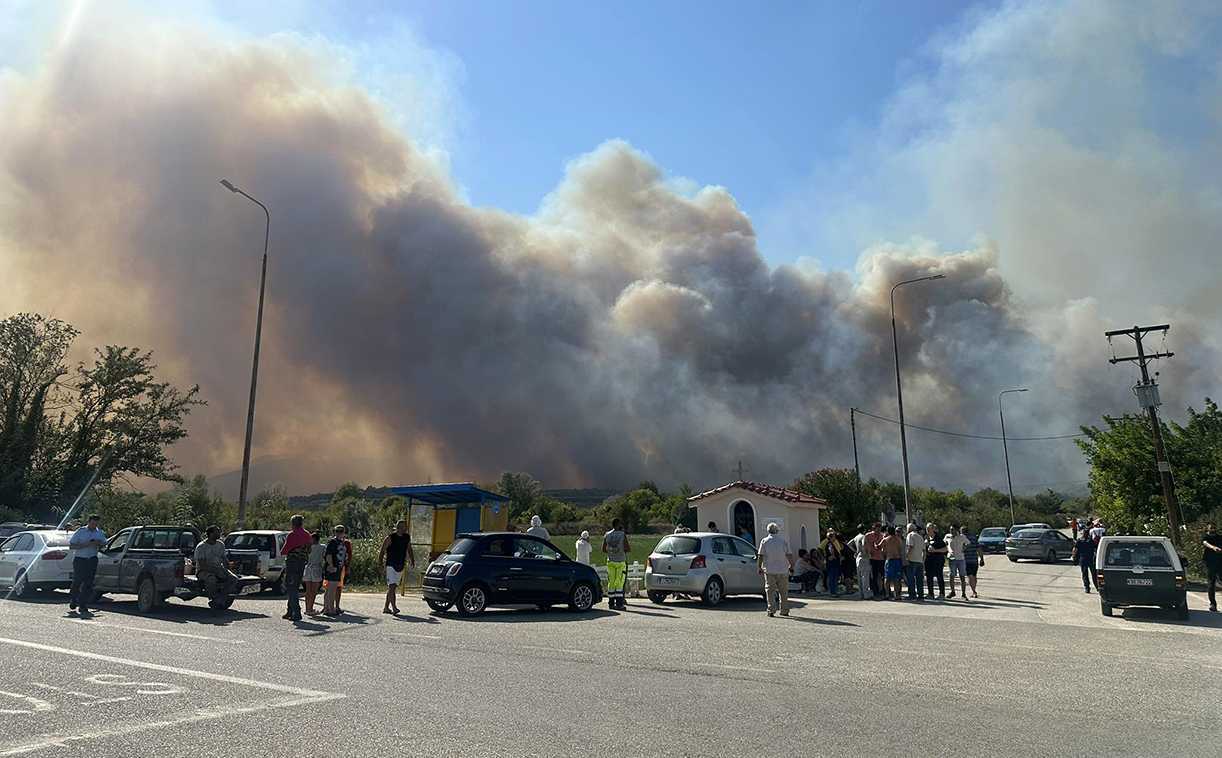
{"x": 1046, "y": 545}
{"x": 705, "y": 564}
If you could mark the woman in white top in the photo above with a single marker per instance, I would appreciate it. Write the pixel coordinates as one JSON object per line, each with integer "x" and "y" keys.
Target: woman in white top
{"x": 313, "y": 572}
{"x": 583, "y": 548}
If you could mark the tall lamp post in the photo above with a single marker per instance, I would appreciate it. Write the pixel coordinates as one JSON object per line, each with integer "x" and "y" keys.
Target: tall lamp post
{"x": 899, "y": 390}
{"x": 1005, "y": 449}
{"x": 254, "y": 369}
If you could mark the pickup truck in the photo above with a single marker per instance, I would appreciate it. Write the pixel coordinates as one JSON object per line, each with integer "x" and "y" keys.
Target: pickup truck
{"x": 154, "y": 563}
{"x": 257, "y": 553}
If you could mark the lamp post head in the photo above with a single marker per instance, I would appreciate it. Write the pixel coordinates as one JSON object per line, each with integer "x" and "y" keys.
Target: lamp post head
{"x": 937, "y": 276}
{"x": 227, "y": 185}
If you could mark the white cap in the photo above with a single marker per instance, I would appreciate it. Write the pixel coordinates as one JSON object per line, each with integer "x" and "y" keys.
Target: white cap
{"x": 585, "y": 535}
{"x": 536, "y": 521}
{"x": 773, "y": 528}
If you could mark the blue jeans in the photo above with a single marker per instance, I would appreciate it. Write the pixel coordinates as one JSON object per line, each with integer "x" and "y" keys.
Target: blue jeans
{"x": 833, "y": 576}
{"x": 914, "y": 575}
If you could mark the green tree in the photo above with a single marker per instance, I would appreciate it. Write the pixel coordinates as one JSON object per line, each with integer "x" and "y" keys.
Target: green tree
{"x": 522, "y": 490}
{"x": 838, "y": 486}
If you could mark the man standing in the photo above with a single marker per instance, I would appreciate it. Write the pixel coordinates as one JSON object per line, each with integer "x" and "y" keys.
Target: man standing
{"x": 1213, "y": 561}
{"x": 211, "y": 564}
{"x": 537, "y": 529}
{"x": 1084, "y": 555}
{"x": 395, "y": 555}
{"x": 935, "y": 559}
{"x": 973, "y": 559}
{"x": 865, "y": 573}
{"x": 892, "y": 548}
{"x": 956, "y": 543}
{"x": 296, "y": 552}
{"x": 775, "y": 562}
{"x": 583, "y": 548}
{"x": 833, "y": 554}
{"x": 914, "y": 569}
{"x": 874, "y": 542}
{"x": 615, "y": 545}
{"x": 334, "y": 563}
{"x": 84, "y": 544}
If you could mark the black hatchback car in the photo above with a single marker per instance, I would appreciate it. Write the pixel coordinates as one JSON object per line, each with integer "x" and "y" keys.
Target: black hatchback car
{"x": 507, "y": 568}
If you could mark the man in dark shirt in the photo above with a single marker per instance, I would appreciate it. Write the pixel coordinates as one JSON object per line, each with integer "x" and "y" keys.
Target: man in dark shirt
{"x": 395, "y": 555}
{"x": 1084, "y": 553}
{"x": 334, "y": 563}
{"x": 1213, "y": 561}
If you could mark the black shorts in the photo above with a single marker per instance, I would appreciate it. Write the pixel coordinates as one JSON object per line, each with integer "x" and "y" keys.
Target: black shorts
{"x": 972, "y": 568}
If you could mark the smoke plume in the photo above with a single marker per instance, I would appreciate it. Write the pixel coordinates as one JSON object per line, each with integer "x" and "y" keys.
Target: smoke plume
{"x": 627, "y": 330}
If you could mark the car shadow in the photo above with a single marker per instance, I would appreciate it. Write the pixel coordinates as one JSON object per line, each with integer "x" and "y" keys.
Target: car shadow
{"x": 178, "y": 613}
{"x": 406, "y": 618}
{"x": 528, "y": 615}
{"x": 1203, "y": 619}
{"x": 824, "y": 622}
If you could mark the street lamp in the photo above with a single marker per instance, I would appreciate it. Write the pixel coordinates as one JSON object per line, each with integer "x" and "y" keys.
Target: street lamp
{"x": 899, "y": 390}
{"x": 254, "y": 370}
{"x": 1005, "y": 449}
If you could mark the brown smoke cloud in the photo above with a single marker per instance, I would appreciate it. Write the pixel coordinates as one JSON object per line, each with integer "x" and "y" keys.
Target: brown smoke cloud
{"x": 628, "y": 330}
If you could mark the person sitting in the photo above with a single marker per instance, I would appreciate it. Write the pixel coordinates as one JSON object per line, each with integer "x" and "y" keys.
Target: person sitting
{"x": 211, "y": 565}
{"x": 804, "y": 573}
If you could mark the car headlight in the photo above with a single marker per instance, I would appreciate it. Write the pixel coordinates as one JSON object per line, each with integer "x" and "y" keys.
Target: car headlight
{"x": 454, "y": 569}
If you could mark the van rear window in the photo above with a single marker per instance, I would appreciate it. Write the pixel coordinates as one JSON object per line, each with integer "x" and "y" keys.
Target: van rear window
{"x": 1144, "y": 554}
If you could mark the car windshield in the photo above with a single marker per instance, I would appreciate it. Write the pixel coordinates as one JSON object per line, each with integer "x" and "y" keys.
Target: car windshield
{"x": 460, "y": 546}
{"x": 1029, "y": 534}
{"x": 249, "y": 541}
{"x": 678, "y": 545}
{"x": 993, "y": 531}
{"x": 1145, "y": 554}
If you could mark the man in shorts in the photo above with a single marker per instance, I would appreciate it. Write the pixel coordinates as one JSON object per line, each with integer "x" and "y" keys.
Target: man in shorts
{"x": 973, "y": 559}
{"x": 956, "y": 558}
{"x": 395, "y": 555}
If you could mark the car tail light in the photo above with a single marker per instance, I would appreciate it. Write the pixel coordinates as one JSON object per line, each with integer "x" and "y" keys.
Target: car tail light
{"x": 1179, "y": 581}
{"x": 54, "y": 555}
{"x": 698, "y": 562}
{"x": 454, "y": 569}
{"x": 1099, "y": 577}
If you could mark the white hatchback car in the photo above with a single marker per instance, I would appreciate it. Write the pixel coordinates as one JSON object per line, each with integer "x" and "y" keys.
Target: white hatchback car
{"x": 36, "y": 560}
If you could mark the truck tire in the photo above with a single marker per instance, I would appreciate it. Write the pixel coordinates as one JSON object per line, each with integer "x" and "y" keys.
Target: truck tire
{"x": 148, "y": 599}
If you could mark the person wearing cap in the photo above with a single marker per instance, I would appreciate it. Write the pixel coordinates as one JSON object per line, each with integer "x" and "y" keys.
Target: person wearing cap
{"x": 537, "y": 529}
{"x": 84, "y": 544}
{"x": 584, "y": 548}
{"x": 775, "y": 563}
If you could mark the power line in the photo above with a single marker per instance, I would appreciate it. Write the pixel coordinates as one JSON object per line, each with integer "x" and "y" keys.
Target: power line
{"x": 971, "y": 436}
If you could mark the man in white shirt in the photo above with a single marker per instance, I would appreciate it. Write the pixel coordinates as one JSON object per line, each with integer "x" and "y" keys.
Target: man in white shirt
{"x": 864, "y": 570}
{"x": 956, "y": 544}
{"x": 775, "y": 563}
{"x": 914, "y": 563}
{"x": 583, "y": 548}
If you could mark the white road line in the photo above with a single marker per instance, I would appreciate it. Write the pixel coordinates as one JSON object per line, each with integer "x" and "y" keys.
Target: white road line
{"x": 556, "y": 649}
{"x": 298, "y": 691}
{"x": 738, "y": 668}
{"x": 146, "y": 630}
{"x": 419, "y": 636}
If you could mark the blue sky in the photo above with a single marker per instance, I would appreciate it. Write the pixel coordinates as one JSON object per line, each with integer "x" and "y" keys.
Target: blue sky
{"x": 716, "y": 92}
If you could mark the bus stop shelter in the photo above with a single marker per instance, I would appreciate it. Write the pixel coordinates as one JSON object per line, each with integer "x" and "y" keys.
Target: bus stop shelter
{"x": 436, "y": 512}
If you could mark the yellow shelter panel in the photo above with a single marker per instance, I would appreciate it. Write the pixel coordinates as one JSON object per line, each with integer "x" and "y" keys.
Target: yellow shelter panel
{"x": 443, "y": 529}
{"x": 494, "y": 522}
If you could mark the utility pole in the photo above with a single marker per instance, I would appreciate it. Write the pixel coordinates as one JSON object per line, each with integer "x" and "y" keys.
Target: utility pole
{"x": 1005, "y": 448}
{"x": 856, "y": 464}
{"x": 1147, "y": 393}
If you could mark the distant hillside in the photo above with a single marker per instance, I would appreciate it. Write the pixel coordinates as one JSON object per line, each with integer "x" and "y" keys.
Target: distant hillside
{"x": 582, "y": 498}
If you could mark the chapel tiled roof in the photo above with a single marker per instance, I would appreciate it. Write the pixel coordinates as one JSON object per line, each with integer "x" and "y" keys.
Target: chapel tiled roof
{"x": 780, "y": 493}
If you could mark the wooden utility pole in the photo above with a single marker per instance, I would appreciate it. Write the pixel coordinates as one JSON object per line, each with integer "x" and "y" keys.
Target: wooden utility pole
{"x": 1150, "y": 403}
{"x": 856, "y": 464}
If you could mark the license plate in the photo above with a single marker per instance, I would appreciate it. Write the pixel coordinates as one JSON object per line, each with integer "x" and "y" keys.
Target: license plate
{"x": 1140, "y": 582}
{"x": 665, "y": 580}
{"x": 250, "y": 589}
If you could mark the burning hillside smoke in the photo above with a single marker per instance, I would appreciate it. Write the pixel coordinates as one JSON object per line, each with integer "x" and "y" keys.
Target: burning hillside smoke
{"x": 626, "y": 331}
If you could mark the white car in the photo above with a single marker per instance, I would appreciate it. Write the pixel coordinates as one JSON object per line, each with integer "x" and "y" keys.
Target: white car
{"x": 36, "y": 560}
{"x": 257, "y": 553}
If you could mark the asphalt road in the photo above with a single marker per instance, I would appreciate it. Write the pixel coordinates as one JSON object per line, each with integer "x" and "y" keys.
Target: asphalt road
{"x": 1030, "y": 669}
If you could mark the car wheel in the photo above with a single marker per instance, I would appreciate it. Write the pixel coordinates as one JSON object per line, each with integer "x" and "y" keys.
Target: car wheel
{"x": 1106, "y": 608}
{"x": 21, "y": 587}
{"x": 1012, "y": 559}
{"x": 1051, "y": 557}
{"x": 220, "y": 603}
{"x": 657, "y": 597}
{"x": 441, "y": 606}
{"x": 581, "y": 599}
{"x": 472, "y": 600}
{"x": 713, "y": 593}
{"x": 147, "y": 598}
{"x": 278, "y": 587}
{"x": 1181, "y": 610}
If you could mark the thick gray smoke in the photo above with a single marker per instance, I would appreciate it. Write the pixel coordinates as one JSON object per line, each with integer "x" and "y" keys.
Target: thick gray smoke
{"x": 627, "y": 330}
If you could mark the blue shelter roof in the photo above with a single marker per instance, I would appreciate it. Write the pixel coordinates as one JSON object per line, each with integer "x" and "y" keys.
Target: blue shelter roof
{"x": 459, "y": 493}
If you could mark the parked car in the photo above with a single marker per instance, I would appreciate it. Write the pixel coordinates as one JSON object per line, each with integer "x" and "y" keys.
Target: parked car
{"x": 35, "y": 560}
{"x": 153, "y": 563}
{"x": 992, "y": 539}
{"x": 1047, "y": 545}
{"x": 1140, "y": 571}
{"x": 481, "y": 569}
{"x": 9, "y": 528}
{"x": 709, "y": 565}
{"x": 257, "y": 553}
{"x": 1020, "y": 527}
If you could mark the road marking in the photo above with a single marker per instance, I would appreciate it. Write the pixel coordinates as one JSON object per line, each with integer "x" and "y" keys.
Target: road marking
{"x": 298, "y": 691}
{"x": 300, "y": 696}
{"x": 35, "y": 705}
{"x": 146, "y": 630}
{"x": 738, "y": 668}
{"x": 556, "y": 649}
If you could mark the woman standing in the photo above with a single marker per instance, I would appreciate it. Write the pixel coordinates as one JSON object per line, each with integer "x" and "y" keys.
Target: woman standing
{"x": 833, "y": 553}
{"x": 935, "y": 559}
{"x": 313, "y": 572}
